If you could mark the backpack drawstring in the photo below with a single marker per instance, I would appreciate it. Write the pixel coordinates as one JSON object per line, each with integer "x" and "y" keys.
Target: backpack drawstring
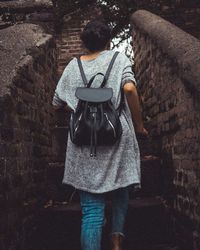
{"x": 93, "y": 138}
{"x": 91, "y": 142}
{"x": 95, "y": 134}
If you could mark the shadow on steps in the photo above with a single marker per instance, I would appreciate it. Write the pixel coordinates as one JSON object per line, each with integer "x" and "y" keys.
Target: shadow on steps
{"x": 146, "y": 227}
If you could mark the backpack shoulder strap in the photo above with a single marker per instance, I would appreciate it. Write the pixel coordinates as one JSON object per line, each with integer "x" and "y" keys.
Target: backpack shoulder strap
{"x": 82, "y": 71}
{"x": 107, "y": 72}
{"x": 109, "y": 69}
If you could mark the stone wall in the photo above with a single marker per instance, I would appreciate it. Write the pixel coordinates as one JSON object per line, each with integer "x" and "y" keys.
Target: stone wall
{"x": 28, "y": 75}
{"x": 167, "y": 69}
{"x": 28, "y": 11}
{"x": 182, "y": 13}
{"x": 66, "y": 29}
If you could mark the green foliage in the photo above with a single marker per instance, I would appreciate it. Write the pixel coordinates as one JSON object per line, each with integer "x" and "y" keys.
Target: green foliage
{"x": 115, "y": 12}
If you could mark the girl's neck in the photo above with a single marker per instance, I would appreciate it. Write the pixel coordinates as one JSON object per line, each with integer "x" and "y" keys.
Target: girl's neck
{"x": 94, "y": 52}
{"x": 91, "y": 55}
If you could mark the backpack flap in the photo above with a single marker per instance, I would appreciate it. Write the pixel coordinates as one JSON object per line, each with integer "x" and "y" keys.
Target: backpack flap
{"x": 96, "y": 95}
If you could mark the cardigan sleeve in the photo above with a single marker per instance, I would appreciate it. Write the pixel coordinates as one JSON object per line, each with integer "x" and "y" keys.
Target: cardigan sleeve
{"x": 127, "y": 74}
{"x": 59, "y": 98}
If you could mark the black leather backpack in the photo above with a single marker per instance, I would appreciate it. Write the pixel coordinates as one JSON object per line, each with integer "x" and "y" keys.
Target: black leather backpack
{"x": 95, "y": 121}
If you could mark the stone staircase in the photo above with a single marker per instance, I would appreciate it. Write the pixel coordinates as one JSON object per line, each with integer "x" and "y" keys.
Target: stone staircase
{"x": 147, "y": 226}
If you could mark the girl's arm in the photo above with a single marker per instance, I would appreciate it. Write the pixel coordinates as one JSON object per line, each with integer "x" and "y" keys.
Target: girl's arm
{"x": 131, "y": 94}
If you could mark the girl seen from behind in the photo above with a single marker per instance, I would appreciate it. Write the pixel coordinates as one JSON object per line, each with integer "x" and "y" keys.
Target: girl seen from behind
{"x": 116, "y": 167}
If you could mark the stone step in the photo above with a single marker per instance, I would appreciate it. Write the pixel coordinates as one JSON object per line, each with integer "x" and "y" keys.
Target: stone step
{"x": 151, "y": 181}
{"x": 153, "y": 247}
{"x": 146, "y": 226}
{"x": 74, "y": 206}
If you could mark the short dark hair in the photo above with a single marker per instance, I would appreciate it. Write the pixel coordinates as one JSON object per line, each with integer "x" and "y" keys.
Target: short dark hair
{"x": 96, "y": 35}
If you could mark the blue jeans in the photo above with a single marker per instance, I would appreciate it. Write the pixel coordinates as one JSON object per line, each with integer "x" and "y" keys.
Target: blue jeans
{"x": 92, "y": 206}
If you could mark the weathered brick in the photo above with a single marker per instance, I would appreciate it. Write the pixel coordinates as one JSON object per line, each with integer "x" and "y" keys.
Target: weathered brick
{"x": 7, "y": 134}
{"x": 174, "y": 116}
{"x": 26, "y": 121}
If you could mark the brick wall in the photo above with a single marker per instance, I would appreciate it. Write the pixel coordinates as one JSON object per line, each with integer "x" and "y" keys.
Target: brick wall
{"x": 28, "y": 73}
{"x": 167, "y": 70}
{"x": 68, "y": 39}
